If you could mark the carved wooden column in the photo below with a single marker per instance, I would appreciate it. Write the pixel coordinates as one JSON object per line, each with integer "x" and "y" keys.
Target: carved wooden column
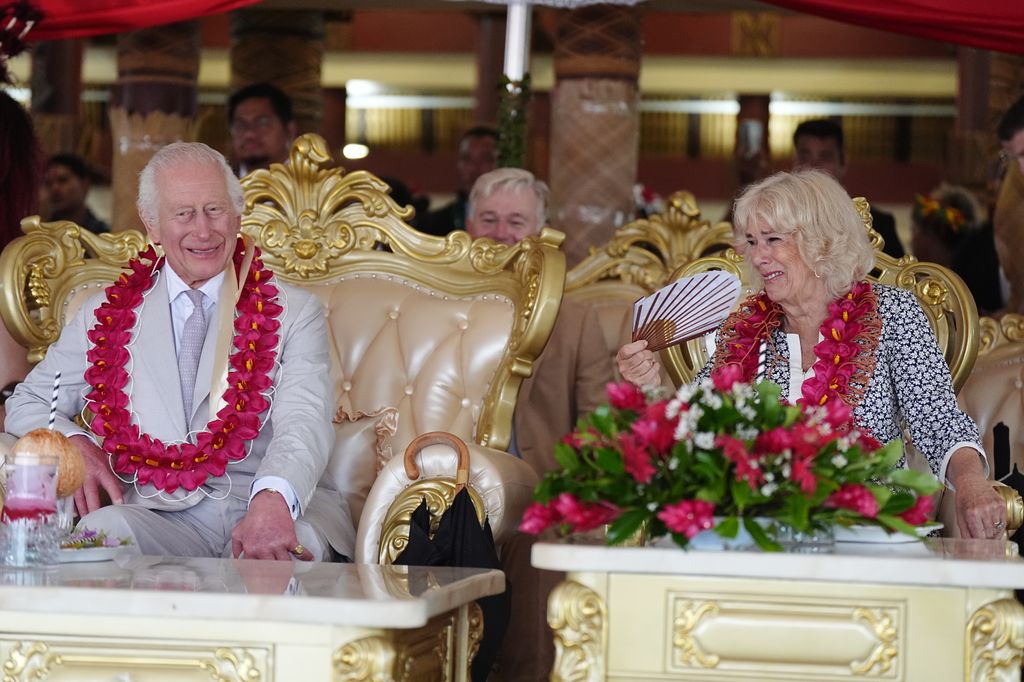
{"x": 594, "y": 124}
{"x": 285, "y": 48}
{"x": 57, "y": 94}
{"x": 490, "y": 51}
{"x": 152, "y": 104}
{"x": 972, "y": 143}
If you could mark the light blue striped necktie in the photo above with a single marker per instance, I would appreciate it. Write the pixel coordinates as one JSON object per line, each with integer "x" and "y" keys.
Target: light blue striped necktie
{"x": 193, "y": 335}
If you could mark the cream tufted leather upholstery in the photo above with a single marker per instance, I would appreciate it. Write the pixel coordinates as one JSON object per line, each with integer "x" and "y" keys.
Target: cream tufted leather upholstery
{"x": 439, "y": 330}
{"x": 640, "y": 259}
{"x": 437, "y": 351}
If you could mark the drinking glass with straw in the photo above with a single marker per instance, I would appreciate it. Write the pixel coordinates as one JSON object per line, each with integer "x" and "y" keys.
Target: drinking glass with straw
{"x": 66, "y": 504}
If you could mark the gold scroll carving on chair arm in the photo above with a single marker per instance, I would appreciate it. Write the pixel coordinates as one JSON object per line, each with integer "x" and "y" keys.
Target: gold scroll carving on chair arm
{"x": 47, "y": 265}
{"x": 945, "y": 299}
{"x": 645, "y": 252}
{"x": 316, "y": 224}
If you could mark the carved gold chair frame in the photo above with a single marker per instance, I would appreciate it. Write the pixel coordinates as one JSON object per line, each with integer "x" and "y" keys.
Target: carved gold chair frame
{"x": 43, "y": 271}
{"x": 946, "y": 301}
{"x": 645, "y": 253}
{"x": 316, "y": 224}
{"x": 997, "y": 333}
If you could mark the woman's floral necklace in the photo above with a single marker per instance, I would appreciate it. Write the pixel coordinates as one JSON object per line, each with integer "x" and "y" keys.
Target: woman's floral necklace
{"x": 225, "y": 439}
{"x": 846, "y": 353}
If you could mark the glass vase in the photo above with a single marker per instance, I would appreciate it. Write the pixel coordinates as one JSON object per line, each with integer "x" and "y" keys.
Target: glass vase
{"x": 814, "y": 541}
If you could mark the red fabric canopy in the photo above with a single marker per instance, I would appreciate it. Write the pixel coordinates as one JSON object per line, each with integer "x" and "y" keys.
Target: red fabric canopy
{"x": 81, "y": 18}
{"x": 988, "y": 24}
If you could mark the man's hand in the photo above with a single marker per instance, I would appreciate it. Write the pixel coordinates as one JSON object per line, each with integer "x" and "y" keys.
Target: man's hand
{"x": 267, "y": 530}
{"x": 980, "y": 511}
{"x": 97, "y": 476}
{"x": 638, "y": 366}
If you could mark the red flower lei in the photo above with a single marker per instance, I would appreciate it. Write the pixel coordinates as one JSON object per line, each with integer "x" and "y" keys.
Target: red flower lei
{"x": 182, "y": 465}
{"x": 846, "y": 353}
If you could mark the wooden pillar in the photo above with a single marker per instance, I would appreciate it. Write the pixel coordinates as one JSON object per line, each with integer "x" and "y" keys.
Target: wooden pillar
{"x": 972, "y": 143}
{"x": 285, "y": 48}
{"x": 335, "y": 112}
{"x": 57, "y": 94}
{"x": 595, "y": 124}
{"x": 538, "y": 134}
{"x": 490, "y": 55}
{"x": 751, "y": 144}
{"x": 152, "y": 104}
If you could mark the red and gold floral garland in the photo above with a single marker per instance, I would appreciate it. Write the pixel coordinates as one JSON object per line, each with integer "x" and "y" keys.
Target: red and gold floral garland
{"x": 185, "y": 465}
{"x": 846, "y": 353}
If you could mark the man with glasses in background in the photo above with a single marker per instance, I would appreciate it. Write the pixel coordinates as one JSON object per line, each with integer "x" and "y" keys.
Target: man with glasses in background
{"x": 262, "y": 126}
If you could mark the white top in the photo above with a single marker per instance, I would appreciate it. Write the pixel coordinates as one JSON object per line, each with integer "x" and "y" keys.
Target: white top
{"x": 797, "y": 375}
{"x": 357, "y": 595}
{"x": 933, "y": 562}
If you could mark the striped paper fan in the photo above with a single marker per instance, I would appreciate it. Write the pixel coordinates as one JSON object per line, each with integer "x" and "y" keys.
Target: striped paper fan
{"x": 686, "y": 308}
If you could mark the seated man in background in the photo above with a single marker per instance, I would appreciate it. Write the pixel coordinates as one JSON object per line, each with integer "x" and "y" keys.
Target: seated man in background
{"x": 568, "y": 381}
{"x": 478, "y": 154}
{"x": 818, "y": 143}
{"x": 66, "y": 185}
{"x": 262, "y": 126}
{"x": 219, "y": 455}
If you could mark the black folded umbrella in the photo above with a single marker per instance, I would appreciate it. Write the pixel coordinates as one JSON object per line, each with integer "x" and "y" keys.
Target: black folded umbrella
{"x": 460, "y": 540}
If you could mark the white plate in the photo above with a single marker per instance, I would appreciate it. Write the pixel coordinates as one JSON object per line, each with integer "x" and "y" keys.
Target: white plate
{"x": 878, "y": 535}
{"x": 72, "y": 556}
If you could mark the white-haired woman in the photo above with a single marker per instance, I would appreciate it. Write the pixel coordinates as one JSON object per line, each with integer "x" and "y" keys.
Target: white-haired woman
{"x": 804, "y": 244}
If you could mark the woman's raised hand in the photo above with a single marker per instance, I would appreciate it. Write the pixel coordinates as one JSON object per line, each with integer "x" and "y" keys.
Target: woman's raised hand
{"x": 639, "y": 366}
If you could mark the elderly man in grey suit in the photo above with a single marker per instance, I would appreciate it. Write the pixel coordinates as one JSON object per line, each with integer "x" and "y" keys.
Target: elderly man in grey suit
{"x": 205, "y": 383}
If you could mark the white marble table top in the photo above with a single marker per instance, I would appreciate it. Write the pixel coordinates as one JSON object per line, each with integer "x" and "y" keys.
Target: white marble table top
{"x": 932, "y": 562}
{"x": 360, "y": 595}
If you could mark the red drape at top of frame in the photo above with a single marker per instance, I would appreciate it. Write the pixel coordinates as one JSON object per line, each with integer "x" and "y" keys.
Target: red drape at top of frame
{"x": 989, "y": 24}
{"x": 82, "y": 18}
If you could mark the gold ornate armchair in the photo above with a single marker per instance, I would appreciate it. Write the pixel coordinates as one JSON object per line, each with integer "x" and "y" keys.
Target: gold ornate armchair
{"x": 945, "y": 299}
{"x": 641, "y": 258}
{"x": 428, "y": 334}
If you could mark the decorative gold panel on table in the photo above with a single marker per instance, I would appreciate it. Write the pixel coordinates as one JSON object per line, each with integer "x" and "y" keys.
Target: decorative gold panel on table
{"x": 946, "y": 301}
{"x": 69, "y": 659}
{"x": 41, "y": 271}
{"x": 864, "y": 640}
{"x": 994, "y": 640}
{"x": 423, "y": 655}
{"x": 578, "y": 618}
{"x": 315, "y": 224}
{"x": 628, "y": 627}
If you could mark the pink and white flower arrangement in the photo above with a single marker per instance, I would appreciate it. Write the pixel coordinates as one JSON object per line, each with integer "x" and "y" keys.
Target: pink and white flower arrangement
{"x": 720, "y": 455}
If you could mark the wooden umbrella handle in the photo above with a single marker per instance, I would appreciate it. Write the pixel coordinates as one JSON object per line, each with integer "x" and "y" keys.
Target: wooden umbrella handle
{"x": 438, "y": 438}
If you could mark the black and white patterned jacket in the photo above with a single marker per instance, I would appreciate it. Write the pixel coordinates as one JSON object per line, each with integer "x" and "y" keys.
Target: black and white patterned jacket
{"x": 911, "y": 386}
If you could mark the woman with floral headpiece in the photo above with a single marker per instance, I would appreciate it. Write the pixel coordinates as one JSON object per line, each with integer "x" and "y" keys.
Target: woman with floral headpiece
{"x": 823, "y": 333}
{"x": 941, "y": 222}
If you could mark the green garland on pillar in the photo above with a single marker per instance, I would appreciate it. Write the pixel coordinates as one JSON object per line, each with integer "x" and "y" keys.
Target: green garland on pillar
{"x": 512, "y": 122}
